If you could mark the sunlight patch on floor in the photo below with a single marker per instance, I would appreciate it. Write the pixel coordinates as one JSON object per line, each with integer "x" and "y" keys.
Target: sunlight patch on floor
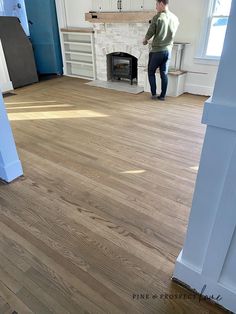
{"x": 29, "y": 102}
{"x": 194, "y": 168}
{"x": 133, "y": 171}
{"x": 38, "y": 107}
{"x": 43, "y": 115}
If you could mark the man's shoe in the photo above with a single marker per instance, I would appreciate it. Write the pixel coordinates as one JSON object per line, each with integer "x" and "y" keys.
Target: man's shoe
{"x": 161, "y": 98}
{"x": 154, "y": 97}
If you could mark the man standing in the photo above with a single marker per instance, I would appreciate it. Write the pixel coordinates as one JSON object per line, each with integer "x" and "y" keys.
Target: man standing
{"x": 162, "y": 28}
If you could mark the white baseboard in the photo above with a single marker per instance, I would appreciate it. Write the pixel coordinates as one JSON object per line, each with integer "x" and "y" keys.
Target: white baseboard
{"x": 11, "y": 171}
{"x": 199, "y": 89}
{"x": 193, "y": 278}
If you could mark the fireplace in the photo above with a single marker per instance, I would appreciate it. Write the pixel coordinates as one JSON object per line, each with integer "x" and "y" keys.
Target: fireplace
{"x": 121, "y": 66}
{"x": 111, "y": 38}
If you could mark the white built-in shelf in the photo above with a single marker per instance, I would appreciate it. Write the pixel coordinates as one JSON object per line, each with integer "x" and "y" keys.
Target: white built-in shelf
{"x": 79, "y": 62}
{"x": 78, "y": 52}
{"x": 81, "y": 43}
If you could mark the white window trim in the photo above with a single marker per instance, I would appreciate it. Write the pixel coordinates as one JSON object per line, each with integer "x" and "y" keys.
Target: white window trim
{"x": 201, "y": 56}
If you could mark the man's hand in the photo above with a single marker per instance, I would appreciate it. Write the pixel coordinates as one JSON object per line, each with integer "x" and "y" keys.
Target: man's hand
{"x": 145, "y": 42}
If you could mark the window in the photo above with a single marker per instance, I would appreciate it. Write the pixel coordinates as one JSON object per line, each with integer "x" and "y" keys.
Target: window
{"x": 217, "y": 21}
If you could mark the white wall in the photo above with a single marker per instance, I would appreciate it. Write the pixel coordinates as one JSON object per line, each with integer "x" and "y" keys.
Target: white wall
{"x": 75, "y": 10}
{"x": 190, "y": 13}
{"x": 191, "y": 16}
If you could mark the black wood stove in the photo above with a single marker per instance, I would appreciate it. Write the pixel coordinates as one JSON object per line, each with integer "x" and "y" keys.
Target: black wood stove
{"x": 124, "y": 66}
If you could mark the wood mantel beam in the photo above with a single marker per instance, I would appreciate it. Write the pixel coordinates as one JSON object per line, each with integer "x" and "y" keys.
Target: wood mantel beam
{"x": 119, "y": 17}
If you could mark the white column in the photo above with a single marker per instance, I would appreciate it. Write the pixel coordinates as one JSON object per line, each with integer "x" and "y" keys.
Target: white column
{"x": 10, "y": 165}
{"x": 208, "y": 258}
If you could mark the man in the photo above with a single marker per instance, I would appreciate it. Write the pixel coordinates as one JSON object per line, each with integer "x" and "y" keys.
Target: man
{"x": 162, "y": 28}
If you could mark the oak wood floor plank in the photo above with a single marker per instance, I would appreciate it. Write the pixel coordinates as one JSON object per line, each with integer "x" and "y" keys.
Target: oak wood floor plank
{"x": 65, "y": 298}
{"x": 30, "y": 286}
{"x": 33, "y": 303}
{"x": 38, "y": 246}
{"x": 8, "y": 281}
{"x": 5, "y": 309}
{"x": 13, "y": 300}
{"x": 57, "y": 274}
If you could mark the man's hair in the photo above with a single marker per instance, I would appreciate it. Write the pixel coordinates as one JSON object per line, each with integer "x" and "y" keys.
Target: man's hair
{"x": 165, "y": 2}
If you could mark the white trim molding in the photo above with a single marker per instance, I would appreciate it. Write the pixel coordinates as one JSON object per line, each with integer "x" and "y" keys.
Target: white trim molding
{"x": 5, "y": 82}
{"x": 61, "y": 14}
{"x": 198, "y": 89}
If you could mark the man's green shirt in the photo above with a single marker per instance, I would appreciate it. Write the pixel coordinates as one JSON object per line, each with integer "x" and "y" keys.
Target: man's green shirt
{"x": 163, "y": 27}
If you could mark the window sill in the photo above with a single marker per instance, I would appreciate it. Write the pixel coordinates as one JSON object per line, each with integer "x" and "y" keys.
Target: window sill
{"x": 205, "y": 60}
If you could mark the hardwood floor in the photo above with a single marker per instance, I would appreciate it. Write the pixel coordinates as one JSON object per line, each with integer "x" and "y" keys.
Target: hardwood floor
{"x": 101, "y": 212}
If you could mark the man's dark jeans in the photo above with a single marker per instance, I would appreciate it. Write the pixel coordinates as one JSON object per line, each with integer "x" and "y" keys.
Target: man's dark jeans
{"x": 158, "y": 60}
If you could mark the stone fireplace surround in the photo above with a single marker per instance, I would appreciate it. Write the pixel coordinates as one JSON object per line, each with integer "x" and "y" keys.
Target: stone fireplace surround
{"x": 120, "y": 37}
